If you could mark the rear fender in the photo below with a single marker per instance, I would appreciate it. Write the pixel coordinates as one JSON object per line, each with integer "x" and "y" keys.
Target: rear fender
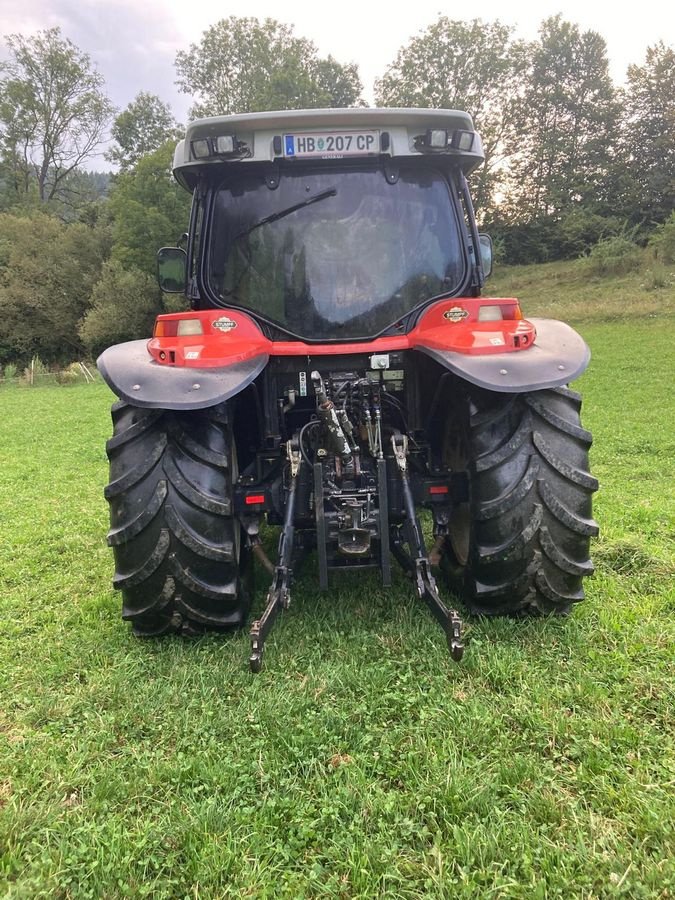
{"x": 132, "y": 373}
{"x": 557, "y": 356}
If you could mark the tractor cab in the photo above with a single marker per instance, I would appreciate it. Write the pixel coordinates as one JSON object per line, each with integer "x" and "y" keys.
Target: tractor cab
{"x": 329, "y": 225}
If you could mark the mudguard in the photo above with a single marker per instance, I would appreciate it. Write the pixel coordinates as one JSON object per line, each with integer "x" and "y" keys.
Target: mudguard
{"x": 131, "y": 372}
{"x": 557, "y": 356}
{"x": 226, "y": 352}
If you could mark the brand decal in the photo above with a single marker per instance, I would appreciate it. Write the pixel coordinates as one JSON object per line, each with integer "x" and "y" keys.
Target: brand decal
{"x": 224, "y": 323}
{"x": 456, "y": 314}
{"x": 192, "y": 354}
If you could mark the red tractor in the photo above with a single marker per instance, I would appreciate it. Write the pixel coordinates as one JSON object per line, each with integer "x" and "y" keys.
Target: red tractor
{"x": 338, "y": 371}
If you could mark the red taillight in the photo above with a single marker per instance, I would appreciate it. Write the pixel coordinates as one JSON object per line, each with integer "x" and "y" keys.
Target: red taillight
{"x": 439, "y": 489}
{"x": 253, "y": 499}
{"x": 166, "y": 328}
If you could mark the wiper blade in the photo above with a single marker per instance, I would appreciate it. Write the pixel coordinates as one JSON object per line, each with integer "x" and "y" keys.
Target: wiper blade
{"x": 331, "y": 192}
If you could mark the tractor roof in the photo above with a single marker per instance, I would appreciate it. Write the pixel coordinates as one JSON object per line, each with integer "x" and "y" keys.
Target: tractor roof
{"x": 264, "y": 137}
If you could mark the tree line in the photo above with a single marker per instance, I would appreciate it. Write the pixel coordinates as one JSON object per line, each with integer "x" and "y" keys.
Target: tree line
{"x": 571, "y": 158}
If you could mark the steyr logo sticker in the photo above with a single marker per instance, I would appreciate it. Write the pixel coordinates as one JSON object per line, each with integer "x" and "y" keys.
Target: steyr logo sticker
{"x": 456, "y": 314}
{"x": 224, "y": 323}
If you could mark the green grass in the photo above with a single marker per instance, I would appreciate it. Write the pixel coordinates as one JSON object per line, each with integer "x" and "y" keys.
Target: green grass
{"x": 567, "y": 290}
{"x": 362, "y": 762}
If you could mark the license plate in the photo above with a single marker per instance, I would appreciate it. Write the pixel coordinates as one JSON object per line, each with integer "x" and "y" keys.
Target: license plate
{"x": 331, "y": 144}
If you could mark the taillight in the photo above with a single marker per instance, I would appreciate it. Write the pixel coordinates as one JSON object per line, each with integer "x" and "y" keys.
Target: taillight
{"x": 496, "y": 312}
{"x": 177, "y": 327}
{"x": 189, "y": 326}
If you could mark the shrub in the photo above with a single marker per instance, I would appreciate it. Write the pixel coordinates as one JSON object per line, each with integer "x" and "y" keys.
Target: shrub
{"x": 35, "y": 370}
{"x": 124, "y": 304}
{"x": 614, "y": 256}
{"x": 67, "y": 377}
{"x": 10, "y": 372}
{"x": 581, "y": 229}
{"x": 662, "y": 242}
{"x": 658, "y": 277}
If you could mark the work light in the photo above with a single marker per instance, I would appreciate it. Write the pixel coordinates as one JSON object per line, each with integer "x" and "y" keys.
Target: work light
{"x": 436, "y": 138}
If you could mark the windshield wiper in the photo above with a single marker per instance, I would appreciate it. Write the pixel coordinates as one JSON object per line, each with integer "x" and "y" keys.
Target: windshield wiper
{"x": 331, "y": 192}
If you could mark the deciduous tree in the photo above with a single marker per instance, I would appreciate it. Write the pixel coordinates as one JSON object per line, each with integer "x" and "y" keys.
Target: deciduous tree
{"x": 145, "y": 125}
{"x": 47, "y": 272}
{"x": 244, "y": 65}
{"x": 473, "y": 66}
{"x": 649, "y": 136}
{"x": 567, "y": 125}
{"x": 149, "y": 210}
{"x": 53, "y": 112}
{"x": 124, "y": 304}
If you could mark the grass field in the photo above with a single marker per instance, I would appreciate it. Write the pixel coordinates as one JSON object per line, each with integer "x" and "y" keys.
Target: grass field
{"x": 362, "y": 762}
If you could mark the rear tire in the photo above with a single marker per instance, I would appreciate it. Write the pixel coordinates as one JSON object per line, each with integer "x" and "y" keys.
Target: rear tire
{"x": 180, "y": 562}
{"x": 524, "y": 535}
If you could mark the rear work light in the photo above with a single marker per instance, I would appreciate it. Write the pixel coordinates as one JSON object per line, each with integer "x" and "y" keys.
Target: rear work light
{"x": 439, "y": 139}
{"x": 222, "y": 145}
{"x": 201, "y": 149}
{"x": 462, "y": 140}
{"x": 226, "y": 143}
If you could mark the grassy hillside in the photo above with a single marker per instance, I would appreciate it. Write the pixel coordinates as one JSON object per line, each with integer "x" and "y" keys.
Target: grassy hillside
{"x": 362, "y": 762}
{"x": 569, "y": 290}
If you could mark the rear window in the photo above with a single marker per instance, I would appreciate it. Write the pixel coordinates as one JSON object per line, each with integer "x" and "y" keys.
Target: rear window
{"x": 334, "y": 254}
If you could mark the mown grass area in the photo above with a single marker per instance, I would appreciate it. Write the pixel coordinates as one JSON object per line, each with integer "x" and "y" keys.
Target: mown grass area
{"x": 362, "y": 762}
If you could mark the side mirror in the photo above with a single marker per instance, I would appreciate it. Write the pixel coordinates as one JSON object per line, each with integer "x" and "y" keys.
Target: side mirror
{"x": 486, "y": 253}
{"x": 172, "y": 270}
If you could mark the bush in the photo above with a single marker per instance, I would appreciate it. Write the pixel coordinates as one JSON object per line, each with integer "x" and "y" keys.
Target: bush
{"x": 581, "y": 229}
{"x": 614, "y": 256}
{"x": 124, "y": 304}
{"x": 67, "y": 377}
{"x": 658, "y": 277}
{"x": 34, "y": 370}
{"x": 10, "y": 372}
{"x": 549, "y": 238}
{"x": 662, "y": 242}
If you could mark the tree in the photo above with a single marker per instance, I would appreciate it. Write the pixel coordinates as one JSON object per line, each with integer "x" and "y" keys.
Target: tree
{"x": 124, "y": 304}
{"x": 649, "y": 136}
{"x": 53, "y": 112}
{"x": 244, "y": 65}
{"x": 149, "y": 210}
{"x": 473, "y": 66}
{"x": 47, "y": 272}
{"x": 144, "y": 126}
{"x": 567, "y": 126}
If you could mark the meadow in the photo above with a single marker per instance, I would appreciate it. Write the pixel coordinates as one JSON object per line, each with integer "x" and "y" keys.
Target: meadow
{"x": 362, "y": 762}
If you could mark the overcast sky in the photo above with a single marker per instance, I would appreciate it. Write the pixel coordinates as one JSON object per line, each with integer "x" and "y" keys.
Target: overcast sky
{"x": 133, "y": 43}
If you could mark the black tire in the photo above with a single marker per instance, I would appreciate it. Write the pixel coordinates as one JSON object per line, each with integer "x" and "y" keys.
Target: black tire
{"x": 520, "y": 545}
{"x": 180, "y": 562}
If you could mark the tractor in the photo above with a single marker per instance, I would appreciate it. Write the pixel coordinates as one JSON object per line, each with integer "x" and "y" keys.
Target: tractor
{"x": 338, "y": 375}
